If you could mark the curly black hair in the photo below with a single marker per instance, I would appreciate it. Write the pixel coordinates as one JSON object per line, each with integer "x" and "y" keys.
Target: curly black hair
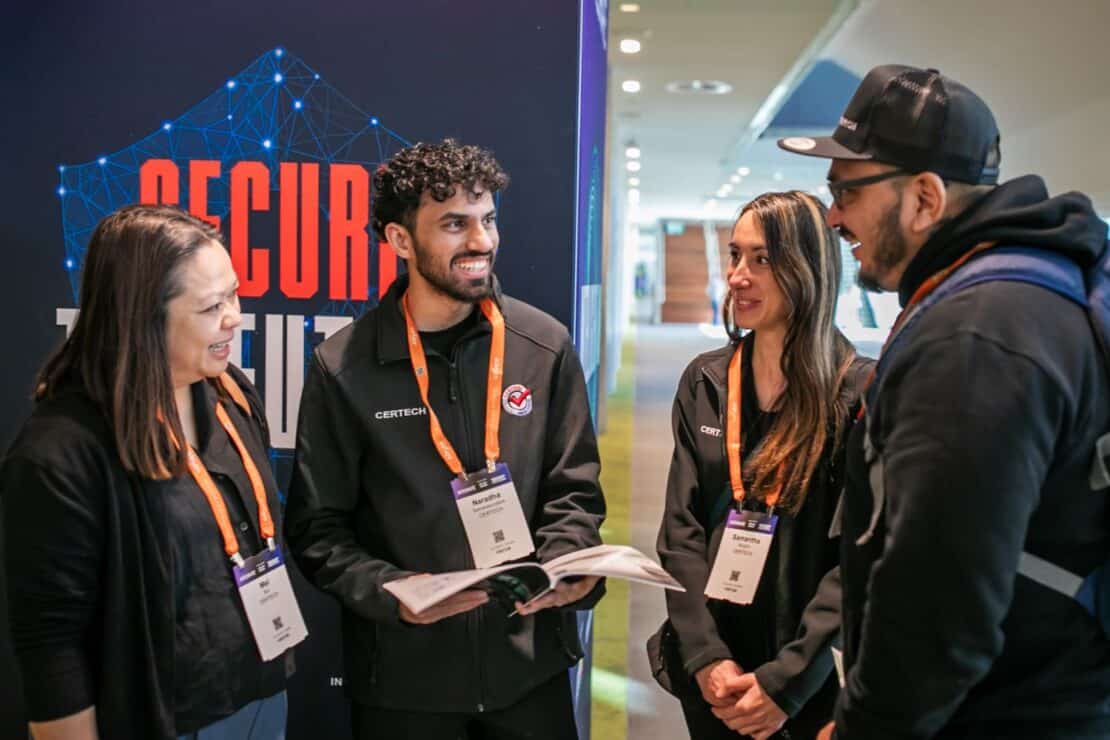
{"x": 436, "y": 168}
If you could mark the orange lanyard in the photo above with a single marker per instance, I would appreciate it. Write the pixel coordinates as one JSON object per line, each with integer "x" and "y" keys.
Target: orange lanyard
{"x": 493, "y": 386}
{"x": 732, "y": 434}
{"x": 928, "y": 286}
{"x": 215, "y": 499}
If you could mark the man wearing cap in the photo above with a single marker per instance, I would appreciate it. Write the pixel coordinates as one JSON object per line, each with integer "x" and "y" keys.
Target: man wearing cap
{"x": 447, "y": 429}
{"x": 978, "y": 436}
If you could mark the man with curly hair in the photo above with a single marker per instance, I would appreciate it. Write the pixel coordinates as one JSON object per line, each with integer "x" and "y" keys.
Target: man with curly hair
{"x": 445, "y": 387}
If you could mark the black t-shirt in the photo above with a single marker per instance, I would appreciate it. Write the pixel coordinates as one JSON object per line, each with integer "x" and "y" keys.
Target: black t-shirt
{"x": 750, "y": 630}
{"x": 217, "y": 668}
{"x": 443, "y": 342}
{"x": 755, "y": 632}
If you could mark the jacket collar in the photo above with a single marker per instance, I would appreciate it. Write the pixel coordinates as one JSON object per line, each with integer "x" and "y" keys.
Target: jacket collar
{"x": 393, "y": 345}
{"x": 217, "y": 451}
{"x": 715, "y": 363}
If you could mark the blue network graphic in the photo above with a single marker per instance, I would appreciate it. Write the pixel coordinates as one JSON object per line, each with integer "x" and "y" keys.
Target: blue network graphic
{"x": 277, "y": 109}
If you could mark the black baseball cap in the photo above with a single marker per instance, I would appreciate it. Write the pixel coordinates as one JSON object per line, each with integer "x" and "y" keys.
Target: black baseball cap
{"x": 917, "y": 119}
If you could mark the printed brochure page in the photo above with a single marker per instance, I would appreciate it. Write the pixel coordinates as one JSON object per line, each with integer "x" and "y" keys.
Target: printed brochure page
{"x": 523, "y": 582}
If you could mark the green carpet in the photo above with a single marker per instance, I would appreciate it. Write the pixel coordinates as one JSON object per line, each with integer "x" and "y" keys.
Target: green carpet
{"x": 608, "y": 715}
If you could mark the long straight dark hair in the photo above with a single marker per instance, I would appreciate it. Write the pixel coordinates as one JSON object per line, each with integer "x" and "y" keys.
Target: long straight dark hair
{"x": 117, "y": 350}
{"x": 805, "y": 261}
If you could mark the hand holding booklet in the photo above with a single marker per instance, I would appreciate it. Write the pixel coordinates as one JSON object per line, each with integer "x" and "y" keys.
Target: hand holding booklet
{"x": 523, "y": 582}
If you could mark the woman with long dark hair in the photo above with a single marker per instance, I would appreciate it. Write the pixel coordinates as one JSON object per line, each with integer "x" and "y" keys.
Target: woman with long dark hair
{"x": 140, "y": 507}
{"x": 759, "y": 427}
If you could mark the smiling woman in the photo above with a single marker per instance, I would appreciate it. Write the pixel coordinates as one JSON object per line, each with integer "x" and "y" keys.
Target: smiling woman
{"x": 127, "y": 616}
{"x": 742, "y": 651}
{"x": 202, "y": 316}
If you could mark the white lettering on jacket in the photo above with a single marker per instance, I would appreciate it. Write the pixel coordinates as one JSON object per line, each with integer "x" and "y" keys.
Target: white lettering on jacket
{"x": 711, "y": 431}
{"x": 398, "y": 413}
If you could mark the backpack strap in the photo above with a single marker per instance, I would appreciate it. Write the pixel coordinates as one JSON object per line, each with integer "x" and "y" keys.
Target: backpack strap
{"x": 1039, "y": 267}
{"x": 1098, "y": 294}
{"x": 1092, "y": 293}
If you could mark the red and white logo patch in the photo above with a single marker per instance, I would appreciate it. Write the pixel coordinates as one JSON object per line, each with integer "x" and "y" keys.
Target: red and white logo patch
{"x": 517, "y": 400}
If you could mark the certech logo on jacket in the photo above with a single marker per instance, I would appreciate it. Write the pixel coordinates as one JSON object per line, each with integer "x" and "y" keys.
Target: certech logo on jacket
{"x": 370, "y": 500}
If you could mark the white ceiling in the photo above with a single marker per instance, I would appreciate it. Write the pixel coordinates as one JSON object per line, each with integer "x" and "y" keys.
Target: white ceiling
{"x": 1042, "y": 69}
{"x": 688, "y": 142}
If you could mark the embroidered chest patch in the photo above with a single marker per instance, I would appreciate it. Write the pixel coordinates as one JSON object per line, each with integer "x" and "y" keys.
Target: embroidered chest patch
{"x": 517, "y": 400}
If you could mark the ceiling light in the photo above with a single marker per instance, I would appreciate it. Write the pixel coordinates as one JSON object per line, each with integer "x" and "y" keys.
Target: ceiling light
{"x": 630, "y": 86}
{"x": 633, "y": 182}
{"x": 710, "y": 204}
{"x": 630, "y": 46}
{"x": 633, "y": 196}
{"x": 823, "y": 190}
{"x": 632, "y": 152}
{"x": 630, "y": 7}
{"x": 632, "y": 166}
{"x": 734, "y": 179}
{"x": 698, "y": 87}
{"x": 744, "y": 171}
{"x": 778, "y": 176}
{"x": 727, "y": 187}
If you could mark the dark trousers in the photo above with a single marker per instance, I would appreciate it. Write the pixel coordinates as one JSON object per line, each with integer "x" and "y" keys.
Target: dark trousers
{"x": 546, "y": 713}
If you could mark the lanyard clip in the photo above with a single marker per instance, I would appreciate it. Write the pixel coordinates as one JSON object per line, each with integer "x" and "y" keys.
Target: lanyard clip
{"x": 237, "y": 559}
{"x": 491, "y": 466}
{"x": 270, "y": 543}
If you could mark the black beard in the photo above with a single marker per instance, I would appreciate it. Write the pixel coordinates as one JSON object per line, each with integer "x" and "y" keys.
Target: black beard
{"x": 890, "y": 249}
{"x": 466, "y": 291}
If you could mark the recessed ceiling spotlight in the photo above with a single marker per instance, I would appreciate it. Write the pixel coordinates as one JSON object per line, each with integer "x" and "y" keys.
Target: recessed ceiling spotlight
{"x": 630, "y": 7}
{"x": 823, "y": 190}
{"x": 734, "y": 179}
{"x": 632, "y": 151}
{"x": 710, "y": 204}
{"x": 631, "y": 86}
{"x": 744, "y": 171}
{"x": 778, "y": 176}
{"x": 698, "y": 87}
{"x": 634, "y": 196}
{"x": 630, "y": 46}
{"x": 632, "y": 166}
{"x": 634, "y": 182}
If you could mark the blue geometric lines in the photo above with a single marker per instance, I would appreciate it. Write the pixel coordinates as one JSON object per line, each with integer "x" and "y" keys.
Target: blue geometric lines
{"x": 277, "y": 109}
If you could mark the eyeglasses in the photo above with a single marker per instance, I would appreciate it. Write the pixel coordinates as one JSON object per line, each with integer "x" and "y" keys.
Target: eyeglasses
{"x": 841, "y": 187}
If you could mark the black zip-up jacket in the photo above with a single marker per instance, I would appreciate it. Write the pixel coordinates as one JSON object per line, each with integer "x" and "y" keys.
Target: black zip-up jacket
{"x": 982, "y": 432}
{"x": 370, "y": 502}
{"x": 785, "y": 634}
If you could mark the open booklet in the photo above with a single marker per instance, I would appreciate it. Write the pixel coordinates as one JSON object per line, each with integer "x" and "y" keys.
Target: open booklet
{"x": 523, "y": 582}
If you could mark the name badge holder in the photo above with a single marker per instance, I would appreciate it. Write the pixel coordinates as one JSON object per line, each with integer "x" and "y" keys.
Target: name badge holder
{"x": 742, "y": 556}
{"x": 493, "y": 519}
{"x": 747, "y": 538}
{"x": 262, "y": 580}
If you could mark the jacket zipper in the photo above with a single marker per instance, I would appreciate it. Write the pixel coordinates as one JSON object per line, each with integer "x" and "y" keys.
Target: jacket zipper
{"x": 452, "y": 382}
{"x": 455, "y": 391}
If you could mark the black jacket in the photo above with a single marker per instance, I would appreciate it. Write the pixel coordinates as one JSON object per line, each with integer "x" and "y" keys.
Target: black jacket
{"x": 982, "y": 431}
{"x": 370, "y": 502}
{"x": 94, "y": 580}
{"x": 785, "y": 634}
